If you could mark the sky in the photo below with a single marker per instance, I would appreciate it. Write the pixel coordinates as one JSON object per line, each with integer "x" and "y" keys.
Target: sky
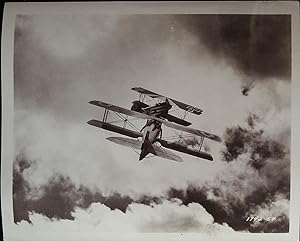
{"x": 237, "y": 68}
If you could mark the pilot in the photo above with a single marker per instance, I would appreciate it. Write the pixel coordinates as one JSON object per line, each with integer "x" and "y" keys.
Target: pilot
{"x": 148, "y": 123}
{"x": 154, "y": 125}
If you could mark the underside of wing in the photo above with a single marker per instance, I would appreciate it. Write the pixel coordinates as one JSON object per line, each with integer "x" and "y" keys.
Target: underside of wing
{"x": 186, "y": 107}
{"x": 137, "y": 144}
{"x": 132, "y": 143}
{"x": 192, "y": 131}
{"x": 119, "y": 109}
{"x": 161, "y": 152}
{"x": 147, "y": 92}
{"x": 114, "y": 128}
{"x": 167, "y": 123}
{"x": 185, "y": 149}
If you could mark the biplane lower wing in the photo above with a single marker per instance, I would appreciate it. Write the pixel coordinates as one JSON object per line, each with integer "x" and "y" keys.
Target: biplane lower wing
{"x": 185, "y": 149}
{"x": 192, "y": 131}
{"x": 137, "y": 144}
{"x": 114, "y": 128}
{"x": 181, "y": 105}
{"x": 166, "y": 123}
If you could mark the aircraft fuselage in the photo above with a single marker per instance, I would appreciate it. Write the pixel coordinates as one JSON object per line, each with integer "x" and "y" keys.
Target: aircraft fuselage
{"x": 153, "y": 128}
{"x": 160, "y": 109}
{"x": 151, "y": 132}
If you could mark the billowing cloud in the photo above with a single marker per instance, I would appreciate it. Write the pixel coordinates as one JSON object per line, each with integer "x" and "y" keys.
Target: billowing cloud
{"x": 169, "y": 216}
{"x": 255, "y": 179}
{"x": 63, "y": 161}
{"x": 257, "y": 46}
{"x": 59, "y": 197}
{"x": 275, "y": 214}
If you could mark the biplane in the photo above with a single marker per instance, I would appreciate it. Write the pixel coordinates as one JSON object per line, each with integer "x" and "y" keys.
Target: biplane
{"x": 149, "y": 139}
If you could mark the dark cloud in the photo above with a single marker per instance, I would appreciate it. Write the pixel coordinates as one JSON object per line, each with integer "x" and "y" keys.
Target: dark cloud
{"x": 256, "y": 46}
{"x": 232, "y": 215}
{"x": 240, "y": 140}
{"x": 234, "y": 212}
{"x": 21, "y": 189}
{"x": 59, "y": 197}
{"x": 268, "y": 158}
{"x": 281, "y": 225}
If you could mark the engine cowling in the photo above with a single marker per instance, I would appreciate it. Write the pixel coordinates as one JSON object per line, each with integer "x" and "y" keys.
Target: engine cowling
{"x": 138, "y": 106}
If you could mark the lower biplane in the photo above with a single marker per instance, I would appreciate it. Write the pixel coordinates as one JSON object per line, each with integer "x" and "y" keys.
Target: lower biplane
{"x": 149, "y": 139}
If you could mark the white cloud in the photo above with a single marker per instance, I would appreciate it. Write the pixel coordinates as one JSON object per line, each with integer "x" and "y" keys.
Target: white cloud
{"x": 169, "y": 216}
{"x": 52, "y": 94}
{"x": 277, "y": 208}
{"x": 81, "y": 152}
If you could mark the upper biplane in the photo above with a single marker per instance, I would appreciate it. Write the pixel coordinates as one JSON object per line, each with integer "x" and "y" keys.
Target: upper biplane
{"x": 149, "y": 138}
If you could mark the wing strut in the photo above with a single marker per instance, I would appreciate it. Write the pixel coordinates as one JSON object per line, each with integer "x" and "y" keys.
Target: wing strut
{"x": 201, "y": 143}
{"x": 105, "y": 115}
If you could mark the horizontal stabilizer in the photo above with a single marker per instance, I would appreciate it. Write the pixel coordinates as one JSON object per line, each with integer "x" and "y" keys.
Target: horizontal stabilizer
{"x": 137, "y": 144}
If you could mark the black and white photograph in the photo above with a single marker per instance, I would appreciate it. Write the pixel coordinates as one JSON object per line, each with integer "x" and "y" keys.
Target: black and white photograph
{"x": 152, "y": 122}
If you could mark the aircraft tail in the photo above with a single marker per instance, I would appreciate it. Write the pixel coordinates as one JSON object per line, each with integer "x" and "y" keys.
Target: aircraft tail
{"x": 146, "y": 148}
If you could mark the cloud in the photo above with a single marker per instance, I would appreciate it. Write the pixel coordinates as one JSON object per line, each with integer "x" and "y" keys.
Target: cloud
{"x": 62, "y": 160}
{"x": 169, "y": 216}
{"x": 257, "y": 46}
{"x": 106, "y": 52}
{"x": 255, "y": 174}
{"x": 81, "y": 153}
{"x": 275, "y": 214}
{"x": 256, "y": 180}
{"x": 58, "y": 198}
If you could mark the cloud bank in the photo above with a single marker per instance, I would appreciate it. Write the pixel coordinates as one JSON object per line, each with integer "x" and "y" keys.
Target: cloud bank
{"x": 165, "y": 217}
{"x": 254, "y": 179}
{"x": 62, "y": 161}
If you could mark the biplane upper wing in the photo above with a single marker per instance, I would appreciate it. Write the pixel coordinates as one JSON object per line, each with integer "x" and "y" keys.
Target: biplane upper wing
{"x": 181, "y": 105}
{"x": 137, "y": 144}
{"x": 186, "y": 107}
{"x": 167, "y": 123}
{"x": 120, "y": 109}
{"x": 147, "y": 92}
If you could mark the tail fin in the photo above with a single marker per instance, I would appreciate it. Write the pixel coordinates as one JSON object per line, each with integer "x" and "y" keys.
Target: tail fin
{"x": 146, "y": 148}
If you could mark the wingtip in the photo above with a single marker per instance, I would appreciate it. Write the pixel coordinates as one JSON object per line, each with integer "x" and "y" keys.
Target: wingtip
{"x": 90, "y": 122}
